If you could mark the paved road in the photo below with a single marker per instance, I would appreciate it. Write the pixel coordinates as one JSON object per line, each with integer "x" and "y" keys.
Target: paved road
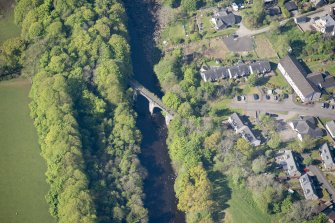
{"x": 322, "y": 179}
{"x": 285, "y": 106}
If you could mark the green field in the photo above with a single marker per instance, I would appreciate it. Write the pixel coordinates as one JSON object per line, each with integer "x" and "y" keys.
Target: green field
{"x": 242, "y": 208}
{"x": 22, "y": 180}
{"x": 8, "y": 29}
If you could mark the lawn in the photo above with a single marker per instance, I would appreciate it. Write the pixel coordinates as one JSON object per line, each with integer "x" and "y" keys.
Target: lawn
{"x": 242, "y": 208}
{"x": 320, "y": 66}
{"x": 8, "y": 29}
{"x": 278, "y": 81}
{"x": 264, "y": 47}
{"x": 22, "y": 180}
{"x": 174, "y": 33}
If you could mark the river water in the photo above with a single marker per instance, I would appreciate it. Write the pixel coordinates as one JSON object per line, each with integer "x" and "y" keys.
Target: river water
{"x": 158, "y": 186}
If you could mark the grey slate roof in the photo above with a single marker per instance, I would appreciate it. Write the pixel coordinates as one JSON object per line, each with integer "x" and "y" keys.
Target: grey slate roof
{"x": 298, "y": 75}
{"x": 331, "y": 127}
{"x": 215, "y": 73}
{"x": 321, "y": 80}
{"x": 240, "y": 70}
{"x": 260, "y": 67}
{"x": 330, "y": 23}
{"x": 327, "y": 156}
{"x": 318, "y": 3}
{"x": 236, "y": 122}
{"x": 223, "y": 19}
{"x": 289, "y": 163}
{"x": 306, "y": 125}
{"x": 291, "y": 6}
{"x": 307, "y": 187}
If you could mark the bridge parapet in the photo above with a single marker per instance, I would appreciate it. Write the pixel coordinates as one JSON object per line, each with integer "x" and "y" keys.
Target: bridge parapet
{"x": 154, "y": 101}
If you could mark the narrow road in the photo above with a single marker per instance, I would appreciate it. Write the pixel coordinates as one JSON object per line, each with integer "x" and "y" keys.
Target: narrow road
{"x": 322, "y": 179}
{"x": 286, "y": 106}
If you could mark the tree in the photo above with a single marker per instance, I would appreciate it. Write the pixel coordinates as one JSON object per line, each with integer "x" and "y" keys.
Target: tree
{"x": 172, "y": 100}
{"x": 193, "y": 190}
{"x": 259, "y": 164}
{"x": 274, "y": 141}
{"x": 244, "y": 147}
{"x": 299, "y": 211}
{"x": 190, "y": 5}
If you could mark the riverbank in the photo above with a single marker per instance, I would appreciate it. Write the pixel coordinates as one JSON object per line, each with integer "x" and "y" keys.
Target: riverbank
{"x": 22, "y": 179}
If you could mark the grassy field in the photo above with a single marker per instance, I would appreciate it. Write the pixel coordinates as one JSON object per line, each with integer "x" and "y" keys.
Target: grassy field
{"x": 8, "y": 29}
{"x": 22, "y": 180}
{"x": 264, "y": 47}
{"x": 242, "y": 208}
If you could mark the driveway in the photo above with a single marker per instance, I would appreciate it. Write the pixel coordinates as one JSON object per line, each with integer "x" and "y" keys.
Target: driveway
{"x": 323, "y": 180}
{"x": 285, "y": 106}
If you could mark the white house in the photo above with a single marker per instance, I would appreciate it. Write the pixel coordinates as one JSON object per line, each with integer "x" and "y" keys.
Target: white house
{"x": 295, "y": 75}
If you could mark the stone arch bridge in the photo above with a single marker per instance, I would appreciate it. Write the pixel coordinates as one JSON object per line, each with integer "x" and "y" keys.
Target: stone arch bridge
{"x": 154, "y": 101}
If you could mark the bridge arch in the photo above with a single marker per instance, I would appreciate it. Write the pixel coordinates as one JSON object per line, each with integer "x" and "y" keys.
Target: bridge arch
{"x": 154, "y": 101}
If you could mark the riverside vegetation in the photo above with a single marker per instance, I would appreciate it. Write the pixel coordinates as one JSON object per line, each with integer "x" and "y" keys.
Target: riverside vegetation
{"x": 77, "y": 56}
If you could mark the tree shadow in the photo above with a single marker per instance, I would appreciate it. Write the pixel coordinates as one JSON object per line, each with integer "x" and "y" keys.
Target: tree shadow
{"x": 221, "y": 194}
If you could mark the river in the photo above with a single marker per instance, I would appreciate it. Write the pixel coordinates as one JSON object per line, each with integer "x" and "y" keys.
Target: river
{"x": 158, "y": 186}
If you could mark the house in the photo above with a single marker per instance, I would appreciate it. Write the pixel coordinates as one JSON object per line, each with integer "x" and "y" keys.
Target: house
{"x": 301, "y": 19}
{"x": 291, "y": 6}
{"x": 306, "y": 126}
{"x": 223, "y": 19}
{"x": 330, "y": 126}
{"x": 295, "y": 75}
{"x": 234, "y": 6}
{"x": 308, "y": 187}
{"x": 289, "y": 163}
{"x": 321, "y": 80}
{"x": 273, "y": 11}
{"x": 213, "y": 73}
{"x": 327, "y": 157}
{"x": 260, "y": 67}
{"x": 325, "y": 24}
{"x": 318, "y": 3}
{"x": 240, "y": 128}
{"x": 237, "y": 71}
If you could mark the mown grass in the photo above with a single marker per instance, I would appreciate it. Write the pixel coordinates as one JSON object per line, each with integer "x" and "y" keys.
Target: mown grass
{"x": 278, "y": 81}
{"x": 22, "y": 181}
{"x": 243, "y": 209}
{"x": 8, "y": 28}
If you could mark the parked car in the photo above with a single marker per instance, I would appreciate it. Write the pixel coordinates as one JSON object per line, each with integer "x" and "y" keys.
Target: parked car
{"x": 267, "y": 97}
{"x": 238, "y": 98}
{"x": 243, "y": 97}
{"x": 276, "y": 97}
{"x": 256, "y": 96}
{"x": 324, "y": 105}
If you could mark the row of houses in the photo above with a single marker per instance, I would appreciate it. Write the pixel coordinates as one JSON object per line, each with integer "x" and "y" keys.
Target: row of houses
{"x": 306, "y": 85}
{"x": 244, "y": 130}
{"x": 210, "y": 74}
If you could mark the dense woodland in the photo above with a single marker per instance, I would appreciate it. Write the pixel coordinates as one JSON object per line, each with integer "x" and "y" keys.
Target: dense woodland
{"x": 77, "y": 55}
